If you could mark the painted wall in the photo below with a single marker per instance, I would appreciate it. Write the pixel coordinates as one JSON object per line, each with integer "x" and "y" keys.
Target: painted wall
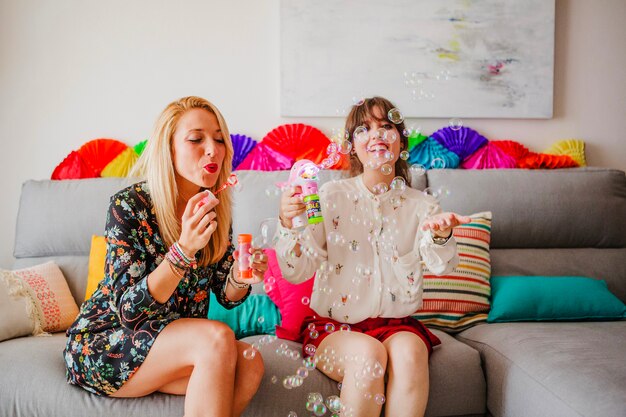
{"x": 73, "y": 70}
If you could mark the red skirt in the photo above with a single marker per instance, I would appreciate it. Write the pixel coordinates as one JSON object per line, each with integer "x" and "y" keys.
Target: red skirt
{"x": 379, "y": 328}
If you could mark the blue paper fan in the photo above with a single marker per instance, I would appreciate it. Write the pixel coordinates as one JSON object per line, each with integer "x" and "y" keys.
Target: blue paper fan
{"x": 431, "y": 154}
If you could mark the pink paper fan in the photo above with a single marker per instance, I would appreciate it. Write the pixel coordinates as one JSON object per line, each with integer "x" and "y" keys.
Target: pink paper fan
{"x": 463, "y": 141}
{"x": 73, "y": 167}
{"x": 489, "y": 156}
{"x": 264, "y": 158}
{"x": 242, "y": 146}
{"x": 298, "y": 141}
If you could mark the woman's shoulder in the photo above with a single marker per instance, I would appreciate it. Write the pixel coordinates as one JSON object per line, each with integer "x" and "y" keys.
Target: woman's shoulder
{"x": 136, "y": 196}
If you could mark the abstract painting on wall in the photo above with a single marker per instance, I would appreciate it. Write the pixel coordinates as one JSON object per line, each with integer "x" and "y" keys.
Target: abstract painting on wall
{"x": 433, "y": 58}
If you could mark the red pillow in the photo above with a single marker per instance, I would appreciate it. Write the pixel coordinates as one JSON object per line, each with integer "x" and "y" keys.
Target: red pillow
{"x": 288, "y": 299}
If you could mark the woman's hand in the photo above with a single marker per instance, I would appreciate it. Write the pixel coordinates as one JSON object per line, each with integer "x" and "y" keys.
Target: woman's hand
{"x": 198, "y": 223}
{"x": 290, "y": 206}
{"x": 441, "y": 224}
{"x": 258, "y": 264}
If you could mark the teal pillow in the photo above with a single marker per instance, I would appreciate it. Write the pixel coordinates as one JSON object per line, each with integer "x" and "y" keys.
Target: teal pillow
{"x": 539, "y": 298}
{"x": 256, "y": 315}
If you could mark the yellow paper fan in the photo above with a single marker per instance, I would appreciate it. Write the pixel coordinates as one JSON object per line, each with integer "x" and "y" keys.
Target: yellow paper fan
{"x": 121, "y": 165}
{"x": 575, "y": 148}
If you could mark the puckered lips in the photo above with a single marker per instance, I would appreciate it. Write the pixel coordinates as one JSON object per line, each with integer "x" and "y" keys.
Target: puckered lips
{"x": 211, "y": 168}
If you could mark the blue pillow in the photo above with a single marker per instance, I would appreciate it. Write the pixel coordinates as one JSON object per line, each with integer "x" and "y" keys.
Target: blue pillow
{"x": 542, "y": 298}
{"x": 256, "y": 315}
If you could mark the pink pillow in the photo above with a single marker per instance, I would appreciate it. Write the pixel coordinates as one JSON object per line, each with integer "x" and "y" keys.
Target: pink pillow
{"x": 288, "y": 299}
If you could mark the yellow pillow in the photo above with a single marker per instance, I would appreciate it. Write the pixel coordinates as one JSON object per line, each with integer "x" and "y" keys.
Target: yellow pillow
{"x": 96, "y": 264}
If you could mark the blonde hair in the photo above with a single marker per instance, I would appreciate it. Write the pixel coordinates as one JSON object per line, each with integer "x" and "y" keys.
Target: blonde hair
{"x": 358, "y": 116}
{"x": 156, "y": 166}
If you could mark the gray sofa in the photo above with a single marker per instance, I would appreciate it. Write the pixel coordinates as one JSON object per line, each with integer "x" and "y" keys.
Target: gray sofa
{"x": 561, "y": 222}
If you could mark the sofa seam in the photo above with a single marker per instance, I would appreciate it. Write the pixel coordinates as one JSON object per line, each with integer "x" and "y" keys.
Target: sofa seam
{"x": 493, "y": 349}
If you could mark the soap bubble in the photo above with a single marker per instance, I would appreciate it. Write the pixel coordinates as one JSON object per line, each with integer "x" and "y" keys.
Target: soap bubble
{"x": 404, "y": 155}
{"x": 332, "y": 148}
{"x": 386, "y": 169}
{"x": 398, "y": 184}
{"x": 360, "y": 134}
{"x": 395, "y": 116}
{"x": 333, "y": 403}
{"x": 344, "y": 327}
{"x": 249, "y": 353}
{"x": 438, "y": 163}
{"x": 381, "y": 133}
{"x": 335, "y": 238}
{"x": 274, "y": 379}
{"x": 329, "y": 327}
{"x": 455, "y": 124}
{"x": 292, "y": 414}
{"x": 358, "y": 101}
{"x": 305, "y": 300}
{"x": 302, "y": 372}
{"x": 380, "y": 188}
{"x": 309, "y": 349}
{"x": 391, "y": 137}
{"x": 379, "y": 399}
{"x": 315, "y": 398}
{"x": 417, "y": 170}
{"x": 344, "y": 147}
{"x": 261, "y": 319}
{"x": 314, "y": 334}
{"x": 272, "y": 191}
{"x": 319, "y": 409}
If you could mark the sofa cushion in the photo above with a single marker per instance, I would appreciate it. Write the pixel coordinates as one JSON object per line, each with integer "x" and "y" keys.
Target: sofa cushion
{"x": 33, "y": 384}
{"x": 45, "y": 297}
{"x": 605, "y": 264}
{"x": 460, "y": 299}
{"x": 537, "y": 298}
{"x": 567, "y": 208}
{"x": 58, "y": 218}
{"x": 553, "y": 369}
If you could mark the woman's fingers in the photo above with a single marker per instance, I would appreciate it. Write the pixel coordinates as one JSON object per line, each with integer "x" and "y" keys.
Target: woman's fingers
{"x": 193, "y": 202}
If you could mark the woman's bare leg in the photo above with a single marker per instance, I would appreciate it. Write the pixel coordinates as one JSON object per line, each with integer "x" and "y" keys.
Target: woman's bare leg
{"x": 352, "y": 351}
{"x": 201, "y": 356}
{"x": 248, "y": 375}
{"x": 408, "y": 384}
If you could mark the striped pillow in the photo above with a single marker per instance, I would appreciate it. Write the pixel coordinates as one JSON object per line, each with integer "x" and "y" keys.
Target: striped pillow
{"x": 459, "y": 300}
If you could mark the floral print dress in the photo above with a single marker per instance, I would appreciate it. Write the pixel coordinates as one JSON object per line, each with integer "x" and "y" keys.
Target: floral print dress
{"x": 116, "y": 327}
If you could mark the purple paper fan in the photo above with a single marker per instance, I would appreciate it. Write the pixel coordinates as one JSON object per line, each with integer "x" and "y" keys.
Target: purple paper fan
{"x": 242, "y": 145}
{"x": 463, "y": 141}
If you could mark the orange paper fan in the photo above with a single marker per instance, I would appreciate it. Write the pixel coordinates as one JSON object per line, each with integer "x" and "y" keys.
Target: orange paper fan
{"x": 73, "y": 167}
{"x": 298, "y": 141}
{"x": 546, "y": 161}
{"x": 98, "y": 153}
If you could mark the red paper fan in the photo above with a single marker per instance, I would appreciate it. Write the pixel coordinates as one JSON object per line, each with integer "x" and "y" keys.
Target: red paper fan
{"x": 98, "y": 153}
{"x": 73, "y": 167}
{"x": 264, "y": 158}
{"x": 298, "y": 141}
{"x": 511, "y": 147}
{"x": 546, "y": 161}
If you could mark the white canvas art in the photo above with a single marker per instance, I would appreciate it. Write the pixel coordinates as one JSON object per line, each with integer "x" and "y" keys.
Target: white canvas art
{"x": 432, "y": 58}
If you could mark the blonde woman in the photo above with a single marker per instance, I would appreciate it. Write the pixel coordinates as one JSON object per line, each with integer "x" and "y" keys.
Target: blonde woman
{"x": 169, "y": 244}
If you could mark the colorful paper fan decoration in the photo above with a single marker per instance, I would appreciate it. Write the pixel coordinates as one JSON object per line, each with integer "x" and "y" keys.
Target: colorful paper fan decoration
{"x": 242, "y": 145}
{"x": 431, "y": 153}
{"x": 543, "y": 160}
{"x": 571, "y": 147}
{"x": 264, "y": 158}
{"x": 415, "y": 138}
{"x": 463, "y": 142}
{"x": 511, "y": 147}
{"x": 140, "y": 147}
{"x": 298, "y": 141}
{"x": 489, "y": 156}
{"x": 98, "y": 153}
{"x": 121, "y": 165}
{"x": 73, "y": 167}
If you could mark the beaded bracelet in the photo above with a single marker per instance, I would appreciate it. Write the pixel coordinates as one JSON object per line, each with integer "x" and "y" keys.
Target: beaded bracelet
{"x": 235, "y": 283}
{"x": 177, "y": 257}
{"x": 180, "y": 273}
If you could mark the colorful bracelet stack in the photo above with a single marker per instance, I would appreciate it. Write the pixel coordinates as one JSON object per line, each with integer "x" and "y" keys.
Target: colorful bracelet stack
{"x": 179, "y": 261}
{"x": 234, "y": 282}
